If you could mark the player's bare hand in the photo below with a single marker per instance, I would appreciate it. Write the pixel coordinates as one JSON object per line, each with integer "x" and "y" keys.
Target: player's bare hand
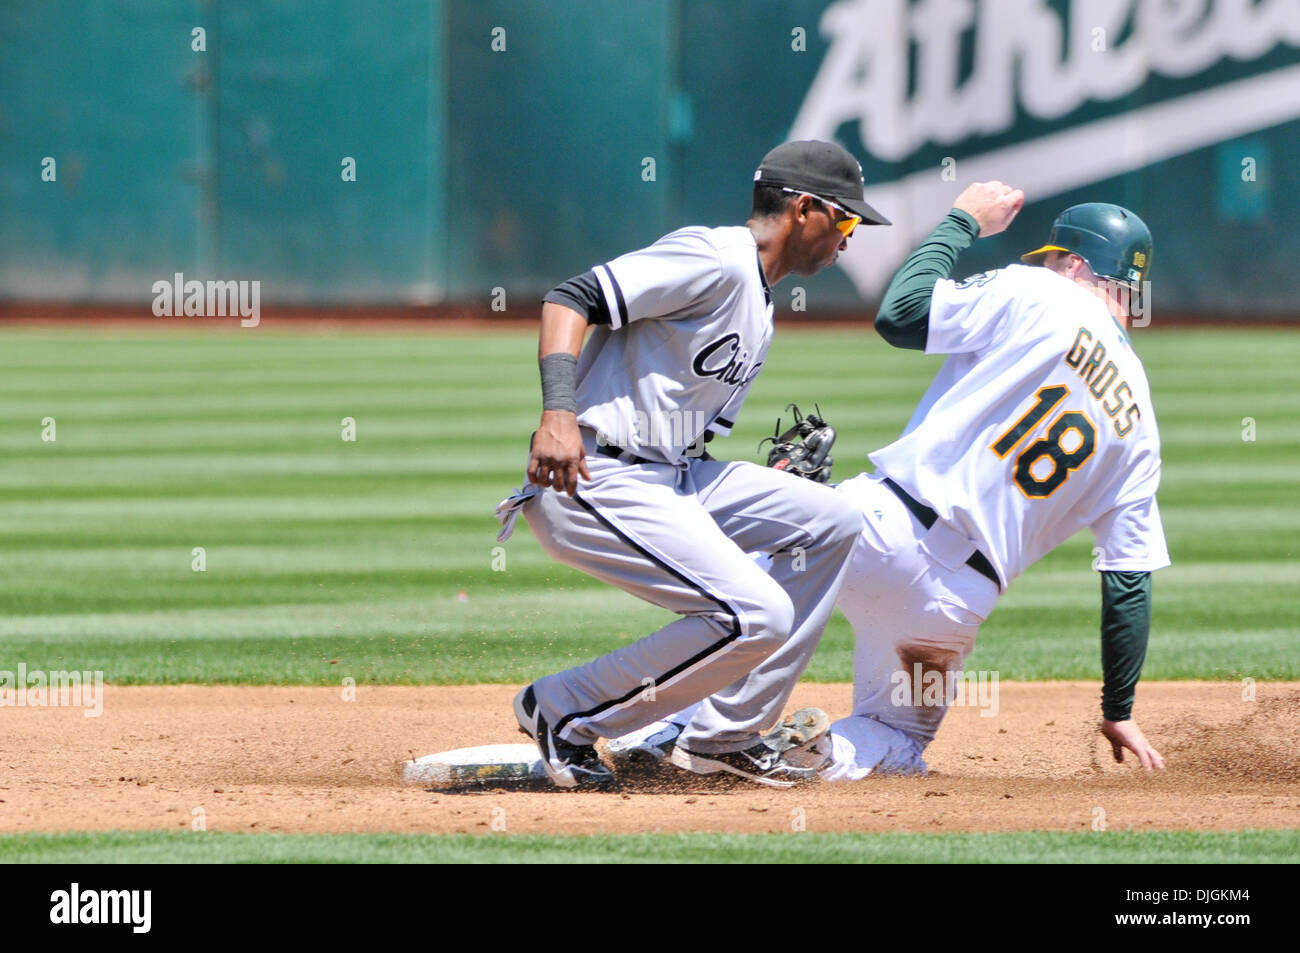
{"x": 992, "y": 204}
{"x": 1126, "y": 734}
{"x": 558, "y": 457}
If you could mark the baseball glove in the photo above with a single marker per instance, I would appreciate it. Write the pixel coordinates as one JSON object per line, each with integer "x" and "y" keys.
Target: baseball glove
{"x": 804, "y": 449}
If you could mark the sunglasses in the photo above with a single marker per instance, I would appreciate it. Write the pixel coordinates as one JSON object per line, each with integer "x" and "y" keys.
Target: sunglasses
{"x": 845, "y": 225}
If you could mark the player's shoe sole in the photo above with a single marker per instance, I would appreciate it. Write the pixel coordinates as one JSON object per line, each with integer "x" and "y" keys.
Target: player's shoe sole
{"x": 567, "y": 765}
{"x": 802, "y": 729}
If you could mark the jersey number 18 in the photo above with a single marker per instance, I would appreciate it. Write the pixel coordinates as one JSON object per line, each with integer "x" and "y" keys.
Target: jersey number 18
{"x": 1064, "y": 462}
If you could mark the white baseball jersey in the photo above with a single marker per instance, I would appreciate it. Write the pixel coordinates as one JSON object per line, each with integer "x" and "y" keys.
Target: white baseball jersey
{"x": 1039, "y": 423}
{"x": 655, "y": 390}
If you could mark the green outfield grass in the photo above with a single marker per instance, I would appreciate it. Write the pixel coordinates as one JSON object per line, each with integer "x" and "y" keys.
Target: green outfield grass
{"x": 1110, "y": 847}
{"x": 375, "y": 559}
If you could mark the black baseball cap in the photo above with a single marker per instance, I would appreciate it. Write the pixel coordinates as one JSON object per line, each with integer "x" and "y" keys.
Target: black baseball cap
{"x": 819, "y": 168}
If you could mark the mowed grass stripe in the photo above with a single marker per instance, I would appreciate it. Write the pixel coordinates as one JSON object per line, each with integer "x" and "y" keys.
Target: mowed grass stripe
{"x": 253, "y": 434}
{"x": 1110, "y": 847}
{"x": 196, "y": 468}
{"x": 319, "y": 547}
{"x": 59, "y": 517}
{"x": 108, "y": 415}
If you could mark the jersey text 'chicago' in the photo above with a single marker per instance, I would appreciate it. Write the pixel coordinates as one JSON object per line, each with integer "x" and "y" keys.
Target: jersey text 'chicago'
{"x": 654, "y": 390}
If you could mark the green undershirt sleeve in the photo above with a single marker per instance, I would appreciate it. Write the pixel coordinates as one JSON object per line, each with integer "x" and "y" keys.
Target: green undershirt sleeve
{"x": 1125, "y": 626}
{"x": 904, "y": 316}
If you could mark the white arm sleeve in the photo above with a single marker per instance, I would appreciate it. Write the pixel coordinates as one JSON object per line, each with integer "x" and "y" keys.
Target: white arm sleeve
{"x": 967, "y": 315}
{"x": 1131, "y": 538}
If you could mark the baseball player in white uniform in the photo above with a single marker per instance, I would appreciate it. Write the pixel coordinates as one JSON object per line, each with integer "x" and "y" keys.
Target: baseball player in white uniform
{"x": 620, "y": 485}
{"x": 1039, "y": 424}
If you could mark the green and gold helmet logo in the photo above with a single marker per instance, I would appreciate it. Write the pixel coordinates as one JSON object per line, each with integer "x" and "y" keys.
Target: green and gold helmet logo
{"x": 1139, "y": 259}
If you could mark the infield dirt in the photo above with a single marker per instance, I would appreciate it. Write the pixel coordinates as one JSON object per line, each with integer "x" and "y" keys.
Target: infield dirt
{"x": 304, "y": 760}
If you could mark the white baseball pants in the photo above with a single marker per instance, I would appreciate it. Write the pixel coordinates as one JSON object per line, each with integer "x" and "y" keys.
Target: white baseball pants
{"x": 915, "y": 607}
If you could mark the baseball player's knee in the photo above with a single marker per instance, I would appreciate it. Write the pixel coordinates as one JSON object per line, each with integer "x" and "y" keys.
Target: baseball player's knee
{"x": 846, "y": 523}
{"x": 768, "y": 617}
{"x": 837, "y": 524}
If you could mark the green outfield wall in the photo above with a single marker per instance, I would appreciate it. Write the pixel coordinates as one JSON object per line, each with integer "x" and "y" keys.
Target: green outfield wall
{"x": 424, "y": 151}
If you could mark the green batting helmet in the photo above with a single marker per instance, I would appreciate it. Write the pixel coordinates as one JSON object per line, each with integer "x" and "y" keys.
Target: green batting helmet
{"x": 1113, "y": 241}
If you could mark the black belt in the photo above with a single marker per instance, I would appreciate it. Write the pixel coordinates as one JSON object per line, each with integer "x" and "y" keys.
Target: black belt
{"x": 618, "y": 453}
{"x": 927, "y": 517}
{"x": 627, "y": 456}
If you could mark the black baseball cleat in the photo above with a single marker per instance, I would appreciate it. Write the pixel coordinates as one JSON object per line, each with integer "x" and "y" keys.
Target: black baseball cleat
{"x": 567, "y": 765}
{"x": 766, "y": 762}
{"x": 758, "y": 763}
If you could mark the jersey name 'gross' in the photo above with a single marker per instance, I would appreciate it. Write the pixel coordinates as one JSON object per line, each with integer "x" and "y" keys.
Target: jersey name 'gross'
{"x": 1100, "y": 381}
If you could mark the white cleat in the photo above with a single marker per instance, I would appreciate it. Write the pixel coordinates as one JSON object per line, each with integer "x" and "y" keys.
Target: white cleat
{"x": 646, "y": 748}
